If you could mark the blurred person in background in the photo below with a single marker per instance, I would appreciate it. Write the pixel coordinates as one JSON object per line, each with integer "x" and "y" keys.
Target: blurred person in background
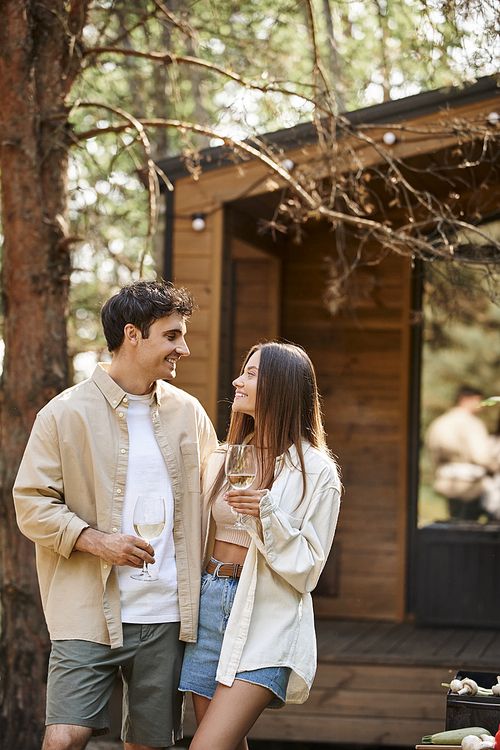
{"x": 461, "y": 451}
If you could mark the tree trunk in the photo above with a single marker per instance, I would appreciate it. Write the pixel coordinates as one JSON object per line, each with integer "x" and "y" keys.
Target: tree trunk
{"x": 333, "y": 59}
{"x": 38, "y": 63}
{"x": 384, "y": 61}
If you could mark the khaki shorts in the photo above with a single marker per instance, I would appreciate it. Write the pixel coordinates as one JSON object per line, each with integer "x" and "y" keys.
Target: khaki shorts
{"x": 82, "y": 675}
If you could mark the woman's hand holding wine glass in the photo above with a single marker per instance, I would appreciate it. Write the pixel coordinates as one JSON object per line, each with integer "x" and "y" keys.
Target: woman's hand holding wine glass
{"x": 241, "y": 470}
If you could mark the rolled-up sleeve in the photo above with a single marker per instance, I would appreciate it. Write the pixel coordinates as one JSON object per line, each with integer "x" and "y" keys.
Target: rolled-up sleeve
{"x": 42, "y": 514}
{"x": 296, "y": 548}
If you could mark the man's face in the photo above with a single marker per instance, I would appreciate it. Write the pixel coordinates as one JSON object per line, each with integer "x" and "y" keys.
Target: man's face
{"x": 158, "y": 355}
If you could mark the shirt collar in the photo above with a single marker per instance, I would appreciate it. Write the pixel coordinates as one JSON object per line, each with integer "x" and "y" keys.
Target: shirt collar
{"x": 111, "y": 391}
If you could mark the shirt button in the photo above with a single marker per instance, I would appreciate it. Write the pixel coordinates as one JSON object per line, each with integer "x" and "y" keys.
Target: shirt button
{"x": 118, "y": 492}
{"x": 122, "y": 450}
{"x": 115, "y": 401}
{"x": 125, "y": 399}
{"x": 120, "y": 414}
{"x": 105, "y": 566}
{"x": 114, "y": 529}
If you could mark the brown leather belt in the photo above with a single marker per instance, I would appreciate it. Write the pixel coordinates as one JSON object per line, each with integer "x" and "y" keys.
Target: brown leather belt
{"x": 224, "y": 570}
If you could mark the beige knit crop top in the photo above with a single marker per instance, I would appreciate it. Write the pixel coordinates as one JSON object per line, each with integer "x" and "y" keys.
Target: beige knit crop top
{"x": 223, "y": 516}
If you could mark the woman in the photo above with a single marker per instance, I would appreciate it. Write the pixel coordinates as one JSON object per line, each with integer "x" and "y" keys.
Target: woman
{"x": 256, "y": 643}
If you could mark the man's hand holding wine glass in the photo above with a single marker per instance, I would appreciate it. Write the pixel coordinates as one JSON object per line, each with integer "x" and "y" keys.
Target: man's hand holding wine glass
{"x": 149, "y": 522}
{"x": 116, "y": 549}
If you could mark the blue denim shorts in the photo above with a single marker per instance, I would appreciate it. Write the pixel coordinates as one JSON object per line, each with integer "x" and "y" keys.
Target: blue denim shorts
{"x": 201, "y": 659}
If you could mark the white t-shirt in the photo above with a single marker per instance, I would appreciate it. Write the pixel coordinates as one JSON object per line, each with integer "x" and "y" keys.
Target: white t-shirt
{"x": 145, "y": 602}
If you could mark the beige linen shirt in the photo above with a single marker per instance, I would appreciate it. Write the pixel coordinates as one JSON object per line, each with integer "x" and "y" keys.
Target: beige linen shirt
{"x": 272, "y": 619}
{"x": 72, "y": 476}
{"x": 458, "y": 436}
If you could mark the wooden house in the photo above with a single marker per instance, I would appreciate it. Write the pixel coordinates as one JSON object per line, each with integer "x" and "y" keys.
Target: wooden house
{"x": 381, "y": 662}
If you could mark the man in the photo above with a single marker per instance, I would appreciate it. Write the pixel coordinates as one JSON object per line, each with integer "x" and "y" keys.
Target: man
{"x": 92, "y": 451}
{"x": 459, "y": 445}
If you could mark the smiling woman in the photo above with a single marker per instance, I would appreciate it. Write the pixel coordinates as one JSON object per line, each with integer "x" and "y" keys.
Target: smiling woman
{"x": 246, "y": 657}
{"x": 246, "y": 386}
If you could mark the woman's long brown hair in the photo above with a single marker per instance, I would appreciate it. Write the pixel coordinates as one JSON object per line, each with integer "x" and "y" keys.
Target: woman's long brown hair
{"x": 287, "y": 411}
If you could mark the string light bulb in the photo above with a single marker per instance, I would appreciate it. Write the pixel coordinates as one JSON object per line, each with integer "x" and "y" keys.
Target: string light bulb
{"x": 198, "y": 222}
{"x": 389, "y": 138}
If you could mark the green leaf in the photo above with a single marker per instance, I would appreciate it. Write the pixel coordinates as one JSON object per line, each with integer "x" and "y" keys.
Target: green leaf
{"x": 491, "y": 401}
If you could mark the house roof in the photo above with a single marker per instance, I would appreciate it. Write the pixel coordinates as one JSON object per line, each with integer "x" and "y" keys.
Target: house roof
{"x": 408, "y": 108}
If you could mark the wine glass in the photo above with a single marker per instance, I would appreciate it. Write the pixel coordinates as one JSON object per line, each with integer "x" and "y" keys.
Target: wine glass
{"x": 241, "y": 470}
{"x": 149, "y": 521}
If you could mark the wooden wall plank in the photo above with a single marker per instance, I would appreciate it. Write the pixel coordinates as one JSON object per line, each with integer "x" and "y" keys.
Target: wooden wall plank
{"x": 349, "y": 730}
{"x": 196, "y": 268}
{"x": 194, "y": 370}
{"x": 197, "y": 265}
{"x": 257, "y": 296}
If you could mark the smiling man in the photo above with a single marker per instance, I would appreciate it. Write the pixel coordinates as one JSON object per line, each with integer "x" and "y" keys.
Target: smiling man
{"x": 93, "y": 450}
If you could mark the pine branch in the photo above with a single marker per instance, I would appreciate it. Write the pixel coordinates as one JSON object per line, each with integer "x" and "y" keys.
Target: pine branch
{"x": 168, "y": 58}
{"x": 183, "y": 26}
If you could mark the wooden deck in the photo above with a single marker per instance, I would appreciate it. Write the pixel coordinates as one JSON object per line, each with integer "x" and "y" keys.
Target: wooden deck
{"x": 405, "y": 644}
{"x": 379, "y": 683}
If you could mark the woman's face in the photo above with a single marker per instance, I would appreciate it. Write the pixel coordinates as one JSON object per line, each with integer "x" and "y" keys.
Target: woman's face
{"x": 246, "y": 386}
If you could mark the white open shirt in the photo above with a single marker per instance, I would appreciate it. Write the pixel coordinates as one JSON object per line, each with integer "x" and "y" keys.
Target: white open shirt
{"x": 272, "y": 619}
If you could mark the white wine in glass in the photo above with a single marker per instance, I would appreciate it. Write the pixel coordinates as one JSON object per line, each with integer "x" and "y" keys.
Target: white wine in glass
{"x": 149, "y": 522}
{"x": 241, "y": 470}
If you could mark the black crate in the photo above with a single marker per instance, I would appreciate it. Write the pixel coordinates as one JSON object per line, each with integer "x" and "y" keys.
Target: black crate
{"x": 474, "y": 710}
{"x": 457, "y": 574}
